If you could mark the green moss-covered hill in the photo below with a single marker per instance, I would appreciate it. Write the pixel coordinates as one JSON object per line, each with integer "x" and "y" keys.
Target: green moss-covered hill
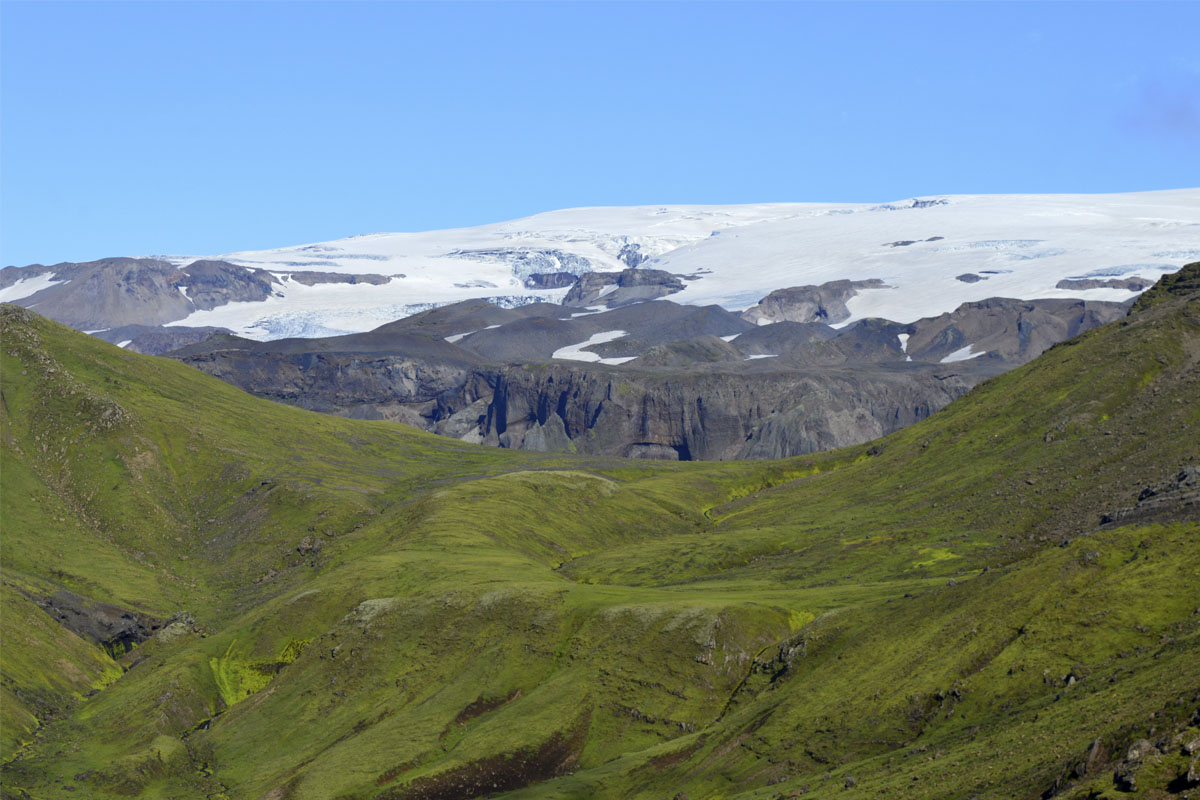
{"x": 207, "y": 595}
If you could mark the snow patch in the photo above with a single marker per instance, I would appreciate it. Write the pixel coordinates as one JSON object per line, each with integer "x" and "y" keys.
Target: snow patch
{"x": 458, "y": 337}
{"x": 125, "y": 343}
{"x": 771, "y": 355}
{"x": 576, "y": 352}
{"x": 962, "y": 354}
{"x": 730, "y": 337}
{"x": 903, "y": 337}
{"x": 28, "y": 286}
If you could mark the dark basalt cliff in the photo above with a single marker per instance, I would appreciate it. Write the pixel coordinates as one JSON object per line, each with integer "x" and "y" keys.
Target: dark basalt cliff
{"x": 753, "y": 412}
{"x": 693, "y": 382}
{"x": 710, "y": 415}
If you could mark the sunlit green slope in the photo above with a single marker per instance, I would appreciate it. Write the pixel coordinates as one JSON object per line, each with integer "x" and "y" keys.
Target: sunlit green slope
{"x": 342, "y": 609}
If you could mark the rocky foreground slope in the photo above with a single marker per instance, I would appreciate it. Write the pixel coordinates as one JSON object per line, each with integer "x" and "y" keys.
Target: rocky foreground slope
{"x": 209, "y": 595}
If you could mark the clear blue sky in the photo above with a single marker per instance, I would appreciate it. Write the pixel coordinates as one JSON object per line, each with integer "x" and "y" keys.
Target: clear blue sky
{"x": 172, "y": 127}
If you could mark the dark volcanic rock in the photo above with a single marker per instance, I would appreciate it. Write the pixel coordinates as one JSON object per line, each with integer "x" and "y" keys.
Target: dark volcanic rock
{"x": 313, "y": 278}
{"x": 116, "y": 629}
{"x": 1016, "y": 331}
{"x": 1177, "y": 497}
{"x": 712, "y": 414}
{"x": 469, "y": 316}
{"x": 209, "y": 284}
{"x": 702, "y": 382}
{"x": 871, "y": 341}
{"x": 529, "y": 339}
{"x": 785, "y": 339}
{"x": 110, "y": 292}
{"x": 690, "y": 352}
{"x": 408, "y": 378}
{"x": 687, "y": 414}
{"x": 971, "y": 277}
{"x": 1129, "y": 284}
{"x": 155, "y": 340}
{"x": 613, "y": 289}
{"x": 537, "y": 337}
{"x": 550, "y": 280}
{"x": 824, "y": 303}
{"x": 115, "y": 292}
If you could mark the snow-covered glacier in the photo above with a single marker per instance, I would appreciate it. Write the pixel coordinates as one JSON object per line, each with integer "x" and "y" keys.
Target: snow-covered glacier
{"x": 931, "y": 253}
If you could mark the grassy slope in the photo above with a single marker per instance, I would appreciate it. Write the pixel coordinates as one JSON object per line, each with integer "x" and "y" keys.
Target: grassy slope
{"x": 478, "y": 620}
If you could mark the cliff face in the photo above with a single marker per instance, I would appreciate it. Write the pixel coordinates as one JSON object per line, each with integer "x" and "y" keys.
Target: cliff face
{"x": 746, "y": 413}
{"x": 692, "y": 382}
{"x": 713, "y": 415}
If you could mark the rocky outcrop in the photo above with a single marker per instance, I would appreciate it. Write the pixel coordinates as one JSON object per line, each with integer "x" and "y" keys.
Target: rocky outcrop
{"x": 118, "y": 630}
{"x": 713, "y": 415}
{"x": 1016, "y": 331}
{"x": 116, "y": 292}
{"x": 109, "y": 293}
{"x": 1128, "y": 284}
{"x": 825, "y": 303}
{"x": 1176, "y": 497}
{"x": 1178, "y": 284}
{"x": 314, "y": 278}
{"x": 209, "y": 284}
{"x": 550, "y": 280}
{"x": 612, "y": 289}
{"x": 748, "y": 410}
{"x": 155, "y": 340}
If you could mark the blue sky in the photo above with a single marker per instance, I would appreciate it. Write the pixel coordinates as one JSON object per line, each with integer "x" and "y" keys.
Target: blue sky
{"x": 174, "y": 127}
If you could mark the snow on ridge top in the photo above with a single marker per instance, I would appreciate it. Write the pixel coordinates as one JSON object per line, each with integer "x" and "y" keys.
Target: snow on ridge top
{"x": 28, "y": 286}
{"x": 1017, "y": 245}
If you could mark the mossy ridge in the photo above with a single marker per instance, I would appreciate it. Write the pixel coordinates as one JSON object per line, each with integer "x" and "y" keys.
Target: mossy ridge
{"x": 459, "y": 604}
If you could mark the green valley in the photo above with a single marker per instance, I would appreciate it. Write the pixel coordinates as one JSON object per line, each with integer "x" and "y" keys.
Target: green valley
{"x": 209, "y": 595}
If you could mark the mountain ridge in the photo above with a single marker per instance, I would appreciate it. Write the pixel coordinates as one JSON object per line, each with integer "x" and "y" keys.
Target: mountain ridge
{"x": 1014, "y": 245}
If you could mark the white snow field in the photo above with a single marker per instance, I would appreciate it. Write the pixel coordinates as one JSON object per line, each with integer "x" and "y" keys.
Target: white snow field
{"x": 962, "y": 354}
{"x": 27, "y": 286}
{"x": 1020, "y": 245}
{"x": 576, "y": 352}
